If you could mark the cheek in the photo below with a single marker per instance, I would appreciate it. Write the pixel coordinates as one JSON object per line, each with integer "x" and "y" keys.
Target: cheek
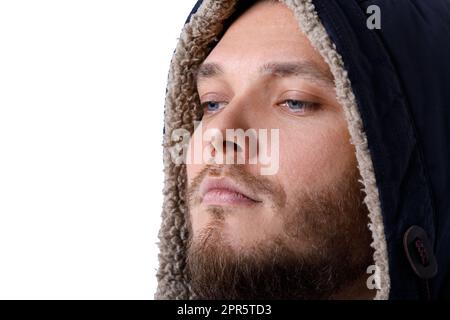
{"x": 192, "y": 170}
{"x": 196, "y": 220}
{"x": 310, "y": 159}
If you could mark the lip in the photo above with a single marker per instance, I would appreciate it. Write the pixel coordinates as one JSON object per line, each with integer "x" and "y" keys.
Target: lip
{"x": 224, "y": 191}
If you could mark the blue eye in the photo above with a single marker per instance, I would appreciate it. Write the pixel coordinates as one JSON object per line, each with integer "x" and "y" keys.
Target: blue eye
{"x": 212, "y": 106}
{"x": 298, "y": 106}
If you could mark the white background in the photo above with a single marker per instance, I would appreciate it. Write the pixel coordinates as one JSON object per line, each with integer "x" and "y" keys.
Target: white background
{"x": 82, "y": 86}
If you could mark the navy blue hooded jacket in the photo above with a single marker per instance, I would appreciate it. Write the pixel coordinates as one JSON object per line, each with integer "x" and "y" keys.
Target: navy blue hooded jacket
{"x": 399, "y": 79}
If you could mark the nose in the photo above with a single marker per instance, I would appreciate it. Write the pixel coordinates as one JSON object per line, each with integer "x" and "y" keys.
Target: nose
{"x": 231, "y": 136}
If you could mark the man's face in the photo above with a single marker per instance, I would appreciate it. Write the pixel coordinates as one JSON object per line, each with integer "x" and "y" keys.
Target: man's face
{"x": 304, "y": 223}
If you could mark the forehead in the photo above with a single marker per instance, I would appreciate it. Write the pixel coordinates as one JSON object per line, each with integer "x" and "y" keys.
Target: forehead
{"x": 264, "y": 33}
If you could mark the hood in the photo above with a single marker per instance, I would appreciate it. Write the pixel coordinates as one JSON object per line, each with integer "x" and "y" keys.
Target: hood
{"x": 393, "y": 84}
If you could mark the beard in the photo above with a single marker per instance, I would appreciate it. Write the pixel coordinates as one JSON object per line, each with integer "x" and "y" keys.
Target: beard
{"x": 324, "y": 247}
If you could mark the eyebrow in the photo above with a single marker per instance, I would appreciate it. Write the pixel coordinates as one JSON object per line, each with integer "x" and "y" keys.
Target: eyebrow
{"x": 304, "y": 69}
{"x": 208, "y": 70}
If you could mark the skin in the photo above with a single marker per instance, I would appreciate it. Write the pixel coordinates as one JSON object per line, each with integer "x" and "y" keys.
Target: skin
{"x": 314, "y": 143}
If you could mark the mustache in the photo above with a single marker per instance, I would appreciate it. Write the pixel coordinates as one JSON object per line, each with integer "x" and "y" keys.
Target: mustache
{"x": 260, "y": 185}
